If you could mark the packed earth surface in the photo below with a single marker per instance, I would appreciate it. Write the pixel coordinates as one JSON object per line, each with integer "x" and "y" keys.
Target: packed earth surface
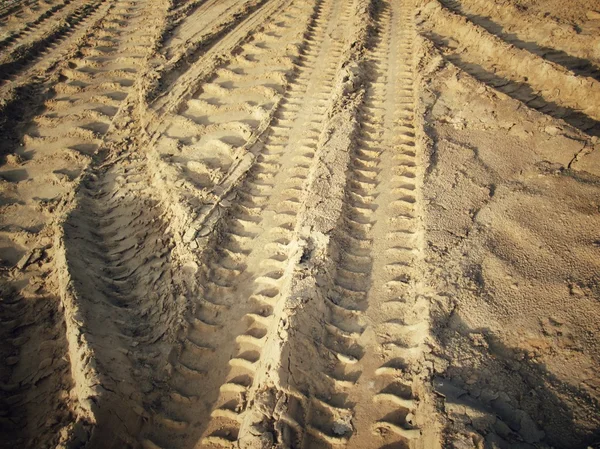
{"x": 328, "y": 224}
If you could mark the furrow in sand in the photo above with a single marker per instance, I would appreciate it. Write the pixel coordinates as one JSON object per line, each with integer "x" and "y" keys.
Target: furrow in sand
{"x": 57, "y": 146}
{"x": 49, "y": 43}
{"x": 518, "y": 73}
{"x": 245, "y": 262}
{"x": 59, "y": 142}
{"x": 379, "y": 253}
{"x": 555, "y": 42}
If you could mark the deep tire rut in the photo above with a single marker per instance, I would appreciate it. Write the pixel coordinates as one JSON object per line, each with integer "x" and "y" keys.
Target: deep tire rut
{"x": 559, "y": 45}
{"x": 229, "y": 250}
{"x": 248, "y": 255}
{"x": 517, "y": 72}
{"x": 380, "y": 249}
{"x": 56, "y": 41}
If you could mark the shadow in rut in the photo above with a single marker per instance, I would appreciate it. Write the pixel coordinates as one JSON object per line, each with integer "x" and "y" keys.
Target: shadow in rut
{"x": 520, "y": 91}
{"x": 507, "y": 397}
{"x": 16, "y": 114}
{"x": 579, "y": 66}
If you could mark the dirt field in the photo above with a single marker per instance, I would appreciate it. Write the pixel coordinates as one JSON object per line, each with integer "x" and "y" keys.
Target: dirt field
{"x": 319, "y": 224}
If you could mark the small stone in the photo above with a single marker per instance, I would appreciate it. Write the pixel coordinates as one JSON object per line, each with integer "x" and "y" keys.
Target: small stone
{"x": 45, "y": 364}
{"x": 529, "y": 431}
{"x": 341, "y": 427}
{"x": 13, "y": 159}
{"x": 23, "y": 261}
{"x": 575, "y": 290}
{"x": 593, "y": 15}
{"x": 61, "y": 177}
{"x": 36, "y": 255}
{"x": 29, "y": 258}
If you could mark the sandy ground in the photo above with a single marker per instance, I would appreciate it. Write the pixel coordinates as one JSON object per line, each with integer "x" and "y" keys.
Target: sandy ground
{"x": 300, "y": 224}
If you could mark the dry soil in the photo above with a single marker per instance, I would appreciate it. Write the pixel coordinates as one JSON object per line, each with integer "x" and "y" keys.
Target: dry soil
{"x": 328, "y": 224}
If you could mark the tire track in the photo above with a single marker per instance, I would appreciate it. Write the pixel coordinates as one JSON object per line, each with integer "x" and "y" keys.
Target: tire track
{"x": 55, "y": 40}
{"x": 275, "y": 194}
{"x": 58, "y": 145}
{"x": 255, "y": 223}
{"x": 193, "y": 38}
{"x": 519, "y": 74}
{"x": 92, "y": 86}
{"x": 38, "y": 381}
{"x": 22, "y": 99}
{"x": 272, "y": 411}
{"x": 30, "y": 26}
{"x": 212, "y": 51}
{"x": 12, "y": 7}
{"x": 190, "y": 30}
{"x": 181, "y": 10}
{"x": 215, "y": 124}
{"x": 131, "y": 308}
{"x": 374, "y": 320}
{"x": 200, "y": 155}
{"x": 511, "y": 26}
{"x": 380, "y": 252}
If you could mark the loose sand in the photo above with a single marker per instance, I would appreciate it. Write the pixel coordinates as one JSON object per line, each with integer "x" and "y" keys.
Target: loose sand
{"x": 300, "y": 224}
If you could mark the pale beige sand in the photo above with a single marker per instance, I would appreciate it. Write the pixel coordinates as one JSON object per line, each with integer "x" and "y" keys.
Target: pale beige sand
{"x": 300, "y": 224}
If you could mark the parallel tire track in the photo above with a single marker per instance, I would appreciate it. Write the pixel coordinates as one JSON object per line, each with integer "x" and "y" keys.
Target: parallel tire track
{"x": 260, "y": 219}
{"x": 375, "y": 322}
{"x": 31, "y": 27}
{"x": 91, "y": 86}
{"x": 25, "y": 55}
{"x": 89, "y": 92}
{"x": 275, "y": 189}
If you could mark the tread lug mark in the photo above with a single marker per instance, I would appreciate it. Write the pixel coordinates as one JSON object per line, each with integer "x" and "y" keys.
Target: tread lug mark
{"x": 377, "y": 248}
{"x": 236, "y": 305}
{"x": 22, "y": 56}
